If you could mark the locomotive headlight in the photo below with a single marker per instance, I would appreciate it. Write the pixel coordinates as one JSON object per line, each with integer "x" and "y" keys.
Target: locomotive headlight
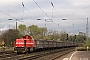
{"x": 15, "y": 46}
{"x": 22, "y": 46}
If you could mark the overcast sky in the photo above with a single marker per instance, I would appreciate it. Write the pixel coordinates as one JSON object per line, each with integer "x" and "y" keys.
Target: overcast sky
{"x": 75, "y": 11}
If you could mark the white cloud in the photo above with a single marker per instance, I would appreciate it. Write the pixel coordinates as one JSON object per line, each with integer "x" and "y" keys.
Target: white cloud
{"x": 3, "y": 29}
{"x": 69, "y": 9}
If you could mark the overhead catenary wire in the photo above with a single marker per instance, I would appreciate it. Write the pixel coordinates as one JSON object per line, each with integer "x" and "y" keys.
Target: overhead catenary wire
{"x": 53, "y": 13}
{"x": 7, "y": 14}
{"x": 53, "y": 5}
{"x": 41, "y": 9}
{"x": 24, "y": 8}
{"x": 22, "y": 4}
{"x": 56, "y": 10}
{"x": 44, "y": 12}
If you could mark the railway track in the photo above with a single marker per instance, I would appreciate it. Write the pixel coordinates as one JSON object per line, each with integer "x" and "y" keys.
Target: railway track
{"x": 5, "y": 55}
{"x": 48, "y": 55}
{"x": 7, "y": 52}
{"x": 35, "y": 55}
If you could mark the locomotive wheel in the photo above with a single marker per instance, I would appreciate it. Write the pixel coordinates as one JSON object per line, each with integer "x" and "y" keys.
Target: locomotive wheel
{"x": 27, "y": 50}
{"x": 31, "y": 49}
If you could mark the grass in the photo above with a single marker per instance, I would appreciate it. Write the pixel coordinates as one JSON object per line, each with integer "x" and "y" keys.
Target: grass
{"x": 6, "y": 48}
{"x": 82, "y": 49}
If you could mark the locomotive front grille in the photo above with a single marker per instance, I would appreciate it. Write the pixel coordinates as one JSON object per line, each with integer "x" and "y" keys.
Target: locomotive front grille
{"x": 19, "y": 49}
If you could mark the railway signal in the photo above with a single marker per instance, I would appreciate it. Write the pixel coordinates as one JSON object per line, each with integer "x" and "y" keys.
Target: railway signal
{"x": 75, "y": 37}
{"x": 66, "y": 36}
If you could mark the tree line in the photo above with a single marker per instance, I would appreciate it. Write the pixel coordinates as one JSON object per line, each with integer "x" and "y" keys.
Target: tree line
{"x": 38, "y": 33}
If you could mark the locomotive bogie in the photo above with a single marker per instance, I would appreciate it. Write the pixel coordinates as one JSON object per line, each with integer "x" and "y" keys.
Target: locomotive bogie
{"x": 20, "y": 50}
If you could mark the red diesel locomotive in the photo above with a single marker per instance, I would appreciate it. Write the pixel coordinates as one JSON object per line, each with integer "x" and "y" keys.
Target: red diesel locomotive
{"x": 24, "y": 44}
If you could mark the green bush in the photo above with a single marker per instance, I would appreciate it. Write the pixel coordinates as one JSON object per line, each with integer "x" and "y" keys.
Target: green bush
{"x": 87, "y": 43}
{"x": 82, "y": 49}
